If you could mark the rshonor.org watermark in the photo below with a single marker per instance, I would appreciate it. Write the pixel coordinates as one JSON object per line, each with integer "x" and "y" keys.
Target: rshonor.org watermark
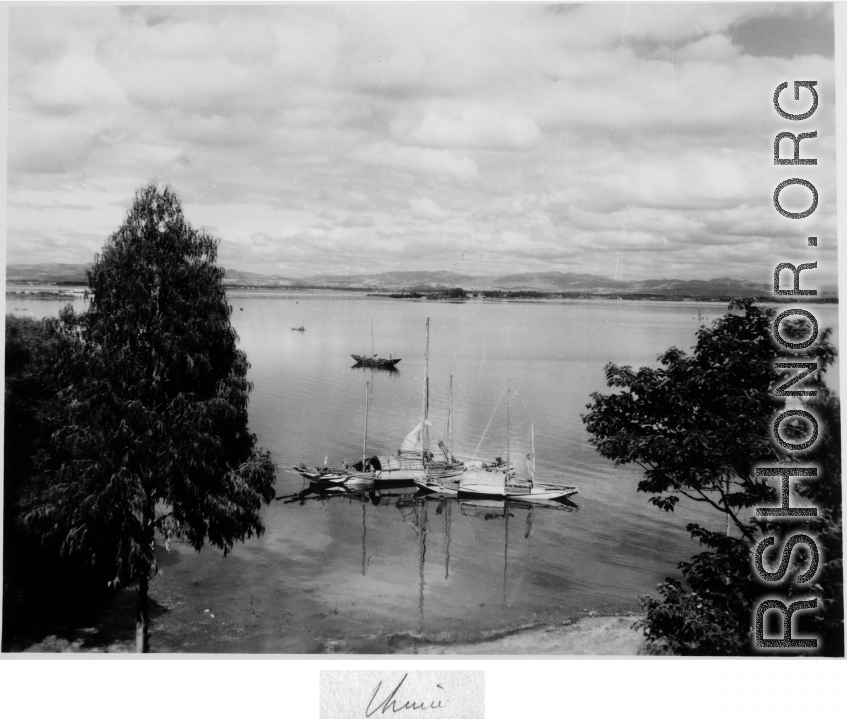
{"x": 777, "y": 600}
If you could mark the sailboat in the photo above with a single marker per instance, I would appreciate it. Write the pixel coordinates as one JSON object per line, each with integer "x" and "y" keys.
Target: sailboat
{"x": 327, "y": 475}
{"x": 500, "y": 480}
{"x": 373, "y": 360}
{"x": 412, "y": 461}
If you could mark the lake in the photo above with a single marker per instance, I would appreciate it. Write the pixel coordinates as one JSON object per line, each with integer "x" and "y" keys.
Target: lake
{"x": 369, "y": 572}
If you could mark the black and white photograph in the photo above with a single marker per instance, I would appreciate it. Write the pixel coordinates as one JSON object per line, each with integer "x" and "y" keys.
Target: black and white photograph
{"x": 398, "y": 329}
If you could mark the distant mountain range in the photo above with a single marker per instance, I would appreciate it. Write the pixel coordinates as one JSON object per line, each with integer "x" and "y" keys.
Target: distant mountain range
{"x": 423, "y": 281}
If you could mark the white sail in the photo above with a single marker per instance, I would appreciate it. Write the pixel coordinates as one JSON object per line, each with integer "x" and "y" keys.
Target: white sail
{"x": 413, "y": 443}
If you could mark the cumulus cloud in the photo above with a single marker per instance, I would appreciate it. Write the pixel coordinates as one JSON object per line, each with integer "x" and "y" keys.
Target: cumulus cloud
{"x": 621, "y": 139}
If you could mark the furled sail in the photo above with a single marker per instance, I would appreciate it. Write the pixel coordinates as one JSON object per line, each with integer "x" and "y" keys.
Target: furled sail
{"x": 413, "y": 444}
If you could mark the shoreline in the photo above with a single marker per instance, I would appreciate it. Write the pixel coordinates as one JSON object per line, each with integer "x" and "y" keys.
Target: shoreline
{"x": 591, "y": 635}
{"x": 526, "y": 295}
{"x": 586, "y": 635}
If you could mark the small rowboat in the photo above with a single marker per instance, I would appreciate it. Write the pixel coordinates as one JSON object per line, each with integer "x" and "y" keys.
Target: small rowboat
{"x": 299, "y": 329}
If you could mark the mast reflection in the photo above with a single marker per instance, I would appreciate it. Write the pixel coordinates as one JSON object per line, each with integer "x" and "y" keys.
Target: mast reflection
{"x": 414, "y": 509}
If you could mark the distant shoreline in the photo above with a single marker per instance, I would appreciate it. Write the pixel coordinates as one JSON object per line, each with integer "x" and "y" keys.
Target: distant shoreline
{"x": 72, "y": 290}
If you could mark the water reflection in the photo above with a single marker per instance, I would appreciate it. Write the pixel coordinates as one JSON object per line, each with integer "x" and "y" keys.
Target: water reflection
{"x": 432, "y": 518}
{"x": 372, "y": 369}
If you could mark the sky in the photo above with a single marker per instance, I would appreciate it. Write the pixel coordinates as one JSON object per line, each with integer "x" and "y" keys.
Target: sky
{"x": 628, "y": 140}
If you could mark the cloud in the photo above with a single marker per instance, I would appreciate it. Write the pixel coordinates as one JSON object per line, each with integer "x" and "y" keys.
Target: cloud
{"x": 425, "y": 208}
{"x": 604, "y": 138}
{"x": 357, "y": 220}
{"x": 475, "y": 127}
{"x": 73, "y": 84}
{"x": 437, "y": 162}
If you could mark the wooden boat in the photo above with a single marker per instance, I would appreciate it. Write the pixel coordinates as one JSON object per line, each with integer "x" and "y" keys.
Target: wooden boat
{"x": 413, "y": 461}
{"x": 299, "y": 329}
{"x": 328, "y": 475}
{"x": 498, "y": 480}
{"x": 504, "y": 484}
{"x": 373, "y": 360}
{"x": 321, "y": 474}
{"x": 376, "y": 361}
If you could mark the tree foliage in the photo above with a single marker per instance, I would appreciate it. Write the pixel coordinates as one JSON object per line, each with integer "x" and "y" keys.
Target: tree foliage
{"x": 711, "y": 615}
{"x": 155, "y": 435}
{"x": 40, "y": 589}
{"x": 698, "y": 425}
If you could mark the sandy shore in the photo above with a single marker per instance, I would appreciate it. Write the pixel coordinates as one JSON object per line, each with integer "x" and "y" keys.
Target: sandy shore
{"x": 592, "y": 636}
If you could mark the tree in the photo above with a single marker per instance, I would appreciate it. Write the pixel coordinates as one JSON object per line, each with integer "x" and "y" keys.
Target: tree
{"x": 698, "y": 425}
{"x": 155, "y": 434}
{"x": 35, "y": 578}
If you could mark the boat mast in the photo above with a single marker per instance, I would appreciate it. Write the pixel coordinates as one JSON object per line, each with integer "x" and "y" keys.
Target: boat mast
{"x": 508, "y": 413}
{"x": 424, "y": 433}
{"x": 373, "y": 350}
{"x": 532, "y": 449}
{"x": 450, "y": 420}
{"x": 367, "y": 407}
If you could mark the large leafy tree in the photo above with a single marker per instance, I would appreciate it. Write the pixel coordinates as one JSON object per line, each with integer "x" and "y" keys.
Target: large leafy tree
{"x": 156, "y": 394}
{"x": 697, "y": 425}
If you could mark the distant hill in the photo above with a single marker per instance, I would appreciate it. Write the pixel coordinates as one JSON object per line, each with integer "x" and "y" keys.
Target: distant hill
{"x": 242, "y": 276}
{"x": 47, "y": 274}
{"x": 424, "y": 281}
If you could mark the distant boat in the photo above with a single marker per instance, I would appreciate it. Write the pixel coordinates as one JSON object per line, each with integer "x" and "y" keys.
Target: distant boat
{"x": 299, "y": 329}
{"x": 373, "y": 360}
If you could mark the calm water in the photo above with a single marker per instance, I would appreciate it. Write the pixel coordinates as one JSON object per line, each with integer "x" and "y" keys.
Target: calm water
{"x": 359, "y": 572}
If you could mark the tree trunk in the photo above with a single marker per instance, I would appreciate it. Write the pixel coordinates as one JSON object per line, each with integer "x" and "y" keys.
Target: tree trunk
{"x": 142, "y": 613}
{"x": 142, "y": 617}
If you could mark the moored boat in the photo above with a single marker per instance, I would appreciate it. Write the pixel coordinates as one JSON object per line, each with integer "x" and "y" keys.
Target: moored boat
{"x": 373, "y": 360}
{"x": 498, "y": 480}
{"x": 376, "y": 361}
{"x": 413, "y": 461}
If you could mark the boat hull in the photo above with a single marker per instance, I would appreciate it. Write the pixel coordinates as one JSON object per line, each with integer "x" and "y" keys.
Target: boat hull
{"x": 538, "y": 493}
{"x": 375, "y": 361}
{"x": 323, "y": 476}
